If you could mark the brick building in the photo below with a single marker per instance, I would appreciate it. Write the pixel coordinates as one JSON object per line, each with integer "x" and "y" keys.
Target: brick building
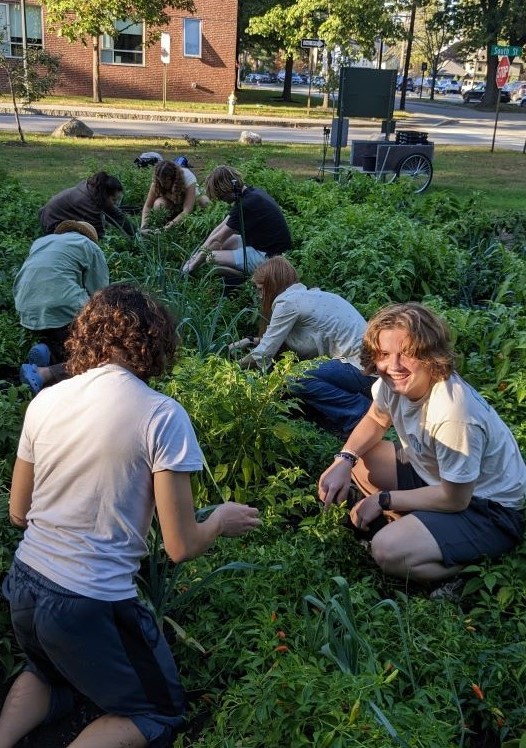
{"x": 202, "y": 54}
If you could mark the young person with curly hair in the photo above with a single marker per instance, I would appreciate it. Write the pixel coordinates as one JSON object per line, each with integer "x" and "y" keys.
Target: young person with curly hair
{"x": 455, "y": 480}
{"x": 99, "y": 453}
{"x": 312, "y": 323}
{"x": 173, "y": 189}
{"x": 95, "y": 200}
{"x": 253, "y": 212}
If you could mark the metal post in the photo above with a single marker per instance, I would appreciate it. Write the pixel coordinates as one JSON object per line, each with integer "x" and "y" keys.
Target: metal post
{"x": 24, "y": 47}
{"x": 407, "y": 62}
{"x": 164, "y": 85}
{"x": 339, "y": 127}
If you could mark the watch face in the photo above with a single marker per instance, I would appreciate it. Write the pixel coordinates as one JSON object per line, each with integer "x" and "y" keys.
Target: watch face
{"x": 384, "y": 499}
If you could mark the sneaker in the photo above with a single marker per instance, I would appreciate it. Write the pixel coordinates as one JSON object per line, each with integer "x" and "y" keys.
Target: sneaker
{"x": 451, "y": 591}
{"x": 39, "y": 354}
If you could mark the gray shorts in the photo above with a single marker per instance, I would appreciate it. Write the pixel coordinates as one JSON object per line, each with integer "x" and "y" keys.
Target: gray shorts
{"x": 255, "y": 258}
{"x": 484, "y": 528}
{"x": 112, "y": 652}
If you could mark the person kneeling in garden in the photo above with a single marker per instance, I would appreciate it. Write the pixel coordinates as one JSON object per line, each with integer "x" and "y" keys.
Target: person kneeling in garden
{"x": 254, "y": 216}
{"x": 312, "y": 323}
{"x": 455, "y": 480}
{"x": 98, "y": 453}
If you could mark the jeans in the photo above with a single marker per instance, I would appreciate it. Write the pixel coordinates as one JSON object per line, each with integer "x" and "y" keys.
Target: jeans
{"x": 338, "y": 394}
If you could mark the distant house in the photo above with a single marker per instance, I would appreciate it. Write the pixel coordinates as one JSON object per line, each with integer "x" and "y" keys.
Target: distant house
{"x": 202, "y": 58}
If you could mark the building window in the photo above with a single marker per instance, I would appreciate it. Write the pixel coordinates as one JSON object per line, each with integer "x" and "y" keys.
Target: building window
{"x": 192, "y": 37}
{"x": 11, "y": 28}
{"x": 126, "y": 47}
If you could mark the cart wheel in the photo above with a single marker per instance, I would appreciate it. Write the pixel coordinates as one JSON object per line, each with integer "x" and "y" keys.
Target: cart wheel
{"x": 419, "y": 168}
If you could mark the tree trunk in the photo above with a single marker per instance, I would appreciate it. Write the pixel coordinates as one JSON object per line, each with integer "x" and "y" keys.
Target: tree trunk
{"x": 17, "y": 113}
{"x": 287, "y": 83}
{"x": 491, "y": 92}
{"x": 97, "y": 98}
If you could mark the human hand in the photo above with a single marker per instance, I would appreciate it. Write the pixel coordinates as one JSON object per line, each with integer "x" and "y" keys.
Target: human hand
{"x": 240, "y": 345}
{"x": 237, "y": 519}
{"x": 334, "y": 483}
{"x": 365, "y": 511}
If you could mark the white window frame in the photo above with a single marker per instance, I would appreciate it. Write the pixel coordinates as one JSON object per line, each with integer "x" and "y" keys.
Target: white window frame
{"x": 109, "y": 55}
{"x": 191, "y": 26}
{"x": 8, "y": 46}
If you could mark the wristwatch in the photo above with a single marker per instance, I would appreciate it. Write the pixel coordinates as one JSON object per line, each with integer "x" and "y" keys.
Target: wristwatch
{"x": 384, "y": 499}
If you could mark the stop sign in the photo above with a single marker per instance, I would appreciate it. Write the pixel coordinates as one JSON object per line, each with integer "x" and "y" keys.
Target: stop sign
{"x": 503, "y": 70}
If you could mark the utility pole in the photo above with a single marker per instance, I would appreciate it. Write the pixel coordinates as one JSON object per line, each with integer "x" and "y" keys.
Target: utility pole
{"x": 24, "y": 44}
{"x": 407, "y": 62}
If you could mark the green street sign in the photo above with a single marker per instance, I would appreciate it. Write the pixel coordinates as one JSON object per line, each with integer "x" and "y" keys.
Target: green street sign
{"x": 505, "y": 51}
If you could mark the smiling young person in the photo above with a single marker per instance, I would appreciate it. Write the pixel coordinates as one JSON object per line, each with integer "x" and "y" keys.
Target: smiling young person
{"x": 455, "y": 481}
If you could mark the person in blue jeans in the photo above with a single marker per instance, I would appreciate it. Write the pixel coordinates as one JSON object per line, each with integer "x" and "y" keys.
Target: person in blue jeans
{"x": 312, "y": 323}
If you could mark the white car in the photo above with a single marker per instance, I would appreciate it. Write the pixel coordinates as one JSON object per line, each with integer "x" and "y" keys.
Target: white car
{"x": 448, "y": 87}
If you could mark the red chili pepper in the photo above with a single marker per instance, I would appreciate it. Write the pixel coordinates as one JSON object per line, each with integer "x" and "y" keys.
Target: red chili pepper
{"x": 273, "y": 616}
{"x": 281, "y": 648}
{"x": 477, "y": 690}
{"x": 281, "y": 634}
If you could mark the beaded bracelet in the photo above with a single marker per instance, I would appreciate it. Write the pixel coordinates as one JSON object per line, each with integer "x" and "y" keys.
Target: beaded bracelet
{"x": 349, "y": 456}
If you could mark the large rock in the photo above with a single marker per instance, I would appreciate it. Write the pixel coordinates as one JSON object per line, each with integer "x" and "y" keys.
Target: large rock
{"x": 250, "y": 138}
{"x": 74, "y": 128}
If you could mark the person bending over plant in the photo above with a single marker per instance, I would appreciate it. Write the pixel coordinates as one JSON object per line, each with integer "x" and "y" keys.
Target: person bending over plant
{"x": 99, "y": 452}
{"x": 173, "y": 189}
{"x": 312, "y": 323}
{"x": 254, "y": 230}
{"x": 455, "y": 478}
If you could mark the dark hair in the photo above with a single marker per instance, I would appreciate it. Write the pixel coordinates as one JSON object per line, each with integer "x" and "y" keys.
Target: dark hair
{"x": 428, "y": 338}
{"x": 124, "y": 325}
{"x": 274, "y": 276}
{"x": 103, "y": 185}
{"x": 168, "y": 180}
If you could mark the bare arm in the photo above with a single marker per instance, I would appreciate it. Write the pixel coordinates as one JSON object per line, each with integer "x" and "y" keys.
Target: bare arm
{"x": 220, "y": 234}
{"x": 21, "y": 492}
{"x": 183, "y": 537}
{"x": 148, "y": 205}
{"x": 445, "y": 497}
{"x": 335, "y": 482}
{"x": 188, "y": 205}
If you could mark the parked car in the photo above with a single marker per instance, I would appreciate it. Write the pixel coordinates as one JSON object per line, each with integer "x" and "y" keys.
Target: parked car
{"x": 448, "y": 86}
{"x": 517, "y": 90}
{"x": 522, "y": 102}
{"x": 410, "y": 85}
{"x": 477, "y": 92}
{"x": 318, "y": 81}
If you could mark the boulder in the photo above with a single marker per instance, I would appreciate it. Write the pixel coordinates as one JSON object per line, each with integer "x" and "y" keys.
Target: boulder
{"x": 250, "y": 138}
{"x": 74, "y": 128}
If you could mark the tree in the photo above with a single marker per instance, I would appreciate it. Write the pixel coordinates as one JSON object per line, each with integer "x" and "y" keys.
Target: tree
{"x": 482, "y": 23}
{"x": 348, "y": 25}
{"x": 96, "y": 17}
{"x": 29, "y": 78}
{"x": 432, "y": 35}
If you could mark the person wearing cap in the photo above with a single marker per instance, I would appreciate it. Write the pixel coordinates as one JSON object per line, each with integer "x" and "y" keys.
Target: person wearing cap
{"x": 95, "y": 200}
{"x": 62, "y": 271}
{"x": 173, "y": 189}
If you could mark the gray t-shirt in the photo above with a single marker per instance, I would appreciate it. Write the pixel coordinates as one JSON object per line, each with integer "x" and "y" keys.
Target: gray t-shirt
{"x": 95, "y": 440}
{"x": 312, "y": 323}
{"x": 452, "y": 433}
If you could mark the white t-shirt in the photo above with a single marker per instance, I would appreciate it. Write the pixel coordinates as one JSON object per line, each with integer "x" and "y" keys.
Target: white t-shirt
{"x": 452, "y": 433}
{"x": 190, "y": 179}
{"x": 95, "y": 440}
{"x": 312, "y": 323}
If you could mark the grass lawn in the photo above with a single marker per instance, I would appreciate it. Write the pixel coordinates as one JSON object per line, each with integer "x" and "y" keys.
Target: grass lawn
{"x": 48, "y": 165}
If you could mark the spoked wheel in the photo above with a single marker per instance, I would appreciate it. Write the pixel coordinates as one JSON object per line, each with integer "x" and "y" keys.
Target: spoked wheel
{"x": 419, "y": 168}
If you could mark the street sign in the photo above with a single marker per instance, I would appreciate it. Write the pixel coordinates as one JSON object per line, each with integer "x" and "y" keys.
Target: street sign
{"x": 312, "y": 43}
{"x": 505, "y": 51}
{"x": 165, "y": 48}
{"x": 503, "y": 71}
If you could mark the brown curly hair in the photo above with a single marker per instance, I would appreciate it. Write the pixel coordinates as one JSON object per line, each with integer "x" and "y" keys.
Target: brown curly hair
{"x": 274, "y": 276}
{"x": 124, "y": 325}
{"x": 428, "y": 335}
{"x": 168, "y": 180}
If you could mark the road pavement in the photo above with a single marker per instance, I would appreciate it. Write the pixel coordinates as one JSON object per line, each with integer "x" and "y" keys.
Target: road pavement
{"x": 445, "y": 121}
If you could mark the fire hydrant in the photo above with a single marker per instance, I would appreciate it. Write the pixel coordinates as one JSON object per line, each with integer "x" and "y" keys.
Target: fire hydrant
{"x": 231, "y": 101}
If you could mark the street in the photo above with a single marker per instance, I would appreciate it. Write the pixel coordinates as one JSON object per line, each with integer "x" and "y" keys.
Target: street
{"x": 446, "y": 122}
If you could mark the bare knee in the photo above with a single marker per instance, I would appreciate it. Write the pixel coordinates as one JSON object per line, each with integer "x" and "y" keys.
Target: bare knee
{"x": 385, "y": 550}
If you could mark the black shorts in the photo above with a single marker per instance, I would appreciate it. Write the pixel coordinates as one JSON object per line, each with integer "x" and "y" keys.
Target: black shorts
{"x": 112, "y": 652}
{"x": 484, "y": 528}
